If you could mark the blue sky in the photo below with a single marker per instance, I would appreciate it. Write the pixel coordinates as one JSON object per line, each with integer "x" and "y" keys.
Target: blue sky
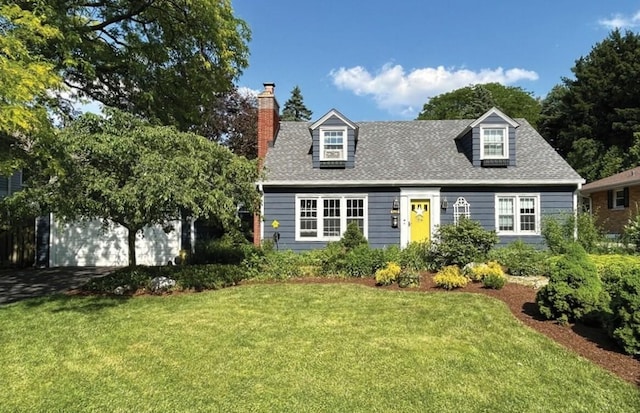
{"x": 382, "y": 60}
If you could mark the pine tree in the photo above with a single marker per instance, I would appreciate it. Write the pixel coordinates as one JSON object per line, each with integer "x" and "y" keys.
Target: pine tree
{"x": 294, "y": 108}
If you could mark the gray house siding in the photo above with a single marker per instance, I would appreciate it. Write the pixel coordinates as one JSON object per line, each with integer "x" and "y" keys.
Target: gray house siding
{"x": 334, "y": 121}
{"x": 493, "y": 119}
{"x": 279, "y": 205}
{"x": 554, "y": 201}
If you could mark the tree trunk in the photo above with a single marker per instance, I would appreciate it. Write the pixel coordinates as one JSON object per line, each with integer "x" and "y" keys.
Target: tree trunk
{"x": 131, "y": 240}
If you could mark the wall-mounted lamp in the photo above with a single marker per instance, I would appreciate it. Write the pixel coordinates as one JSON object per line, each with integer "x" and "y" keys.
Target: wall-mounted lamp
{"x": 395, "y": 211}
{"x": 445, "y": 204}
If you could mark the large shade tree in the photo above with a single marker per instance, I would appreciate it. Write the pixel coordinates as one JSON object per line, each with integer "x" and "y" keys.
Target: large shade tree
{"x": 591, "y": 118}
{"x": 26, "y": 80}
{"x": 123, "y": 169}
{"x": 163, "y": 59}
{"x": 470, "y": 102}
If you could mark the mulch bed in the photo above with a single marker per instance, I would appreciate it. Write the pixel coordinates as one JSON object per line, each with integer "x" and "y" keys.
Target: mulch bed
{"x": 589, "y": 342}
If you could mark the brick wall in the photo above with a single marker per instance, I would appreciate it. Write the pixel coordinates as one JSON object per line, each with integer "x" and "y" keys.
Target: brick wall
{"x": 614, "y": 220}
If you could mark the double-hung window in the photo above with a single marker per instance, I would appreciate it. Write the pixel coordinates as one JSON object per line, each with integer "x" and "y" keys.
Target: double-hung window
{"x": 325, "y": 217}
{"x": 494, "y": 143}
{"x": 517, "y": 214}
{"x": 333, "y": 144}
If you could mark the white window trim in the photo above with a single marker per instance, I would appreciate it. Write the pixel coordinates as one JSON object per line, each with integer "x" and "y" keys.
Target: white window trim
{"x": 343, "y": 215}
{"x": 516, "y": 221}
{"x": 505, "y": 127}
{"x": 345, "y": 142}
{"x": 615, "y": 198}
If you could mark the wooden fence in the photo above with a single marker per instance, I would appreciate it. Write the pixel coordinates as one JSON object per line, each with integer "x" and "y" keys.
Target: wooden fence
{"x": 17, "y": 246}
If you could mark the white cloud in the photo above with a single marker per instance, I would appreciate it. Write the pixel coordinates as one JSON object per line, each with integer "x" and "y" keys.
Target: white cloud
{"x": 402, "y": 93}
{"x": 246, "y": 91}
{"x": 620, "y": 21}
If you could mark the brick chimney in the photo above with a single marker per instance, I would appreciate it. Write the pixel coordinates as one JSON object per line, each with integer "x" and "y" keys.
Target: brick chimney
{"x": 268, "y": 124}
{"x": 268, "y": 119}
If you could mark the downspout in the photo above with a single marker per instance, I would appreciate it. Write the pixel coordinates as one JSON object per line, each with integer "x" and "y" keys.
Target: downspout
{"x": 575, "y": 211}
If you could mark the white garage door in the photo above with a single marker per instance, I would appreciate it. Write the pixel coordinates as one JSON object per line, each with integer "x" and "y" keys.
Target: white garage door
{"x": 88, "y": 244}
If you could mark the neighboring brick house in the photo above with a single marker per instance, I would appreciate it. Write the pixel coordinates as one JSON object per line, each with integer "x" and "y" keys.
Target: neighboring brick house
{"x": 613, "y": 199}
{"x": 398, "y": 181}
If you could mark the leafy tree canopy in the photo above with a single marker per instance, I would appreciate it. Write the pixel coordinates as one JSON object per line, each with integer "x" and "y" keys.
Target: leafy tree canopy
{"x": 123, "y": 169}
{"x": 25, "y": 81}
{"x": 294, "y": 108}
{"x": 232, "y": 121}
{"x": 162, "y": 59}
{"x": 591, "y": 119}
{"x": 473, "y": 101}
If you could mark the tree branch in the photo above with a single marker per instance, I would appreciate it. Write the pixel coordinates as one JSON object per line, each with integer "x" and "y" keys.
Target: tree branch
{"x": 115, "y": 19}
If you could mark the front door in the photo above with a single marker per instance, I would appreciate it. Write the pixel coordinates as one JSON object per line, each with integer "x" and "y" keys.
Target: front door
{"x": 420, "y": 222}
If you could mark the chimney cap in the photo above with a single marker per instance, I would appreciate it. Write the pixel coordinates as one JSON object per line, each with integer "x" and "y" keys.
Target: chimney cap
{"x": 269, "y": 87}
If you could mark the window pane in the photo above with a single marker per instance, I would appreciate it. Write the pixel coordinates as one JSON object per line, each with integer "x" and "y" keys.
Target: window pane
{"x": 619, "y": 198}
{"x": 355, "y": 213}
{"x": 506, "y": 214}
{"x": 494, "y": 142}
{"x": 527, "y": 214}
{"x": 333, "y": 139}
{"x": 309, "y": 218}
{"x": 331, "y": 222}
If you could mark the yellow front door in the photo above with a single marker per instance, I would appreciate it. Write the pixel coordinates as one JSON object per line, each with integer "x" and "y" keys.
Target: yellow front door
{"x": 420, "y": 221}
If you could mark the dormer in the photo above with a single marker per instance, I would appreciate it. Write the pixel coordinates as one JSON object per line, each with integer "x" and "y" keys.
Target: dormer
{"x": 493, "y": 140}
{"x": 334, "y": 139}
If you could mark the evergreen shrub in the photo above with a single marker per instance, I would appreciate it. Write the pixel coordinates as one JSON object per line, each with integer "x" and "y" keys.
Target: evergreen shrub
{"x": 623, "y": 323}
{"x": 574, "y": 292}
{"x": 461, "y": 244}
{"x": 521, "y": 259}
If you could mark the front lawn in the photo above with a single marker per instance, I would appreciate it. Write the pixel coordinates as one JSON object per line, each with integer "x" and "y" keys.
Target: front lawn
{"x": 291, "y": 348}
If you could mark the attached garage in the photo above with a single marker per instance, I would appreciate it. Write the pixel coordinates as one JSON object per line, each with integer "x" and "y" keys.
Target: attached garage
{"x": 90, "y": 244}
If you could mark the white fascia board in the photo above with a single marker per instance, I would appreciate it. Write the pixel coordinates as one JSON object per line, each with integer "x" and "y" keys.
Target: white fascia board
{"x": 494, "y": 111}
{"x": 333, "y": 112}
{"x": 458, "y": 182}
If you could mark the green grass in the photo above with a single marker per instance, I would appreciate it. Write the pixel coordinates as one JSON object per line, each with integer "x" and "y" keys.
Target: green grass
{"x": 291, "y": 348}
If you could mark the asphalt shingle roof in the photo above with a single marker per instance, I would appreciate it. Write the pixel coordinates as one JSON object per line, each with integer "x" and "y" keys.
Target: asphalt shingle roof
{"x": 625, "y": 178}
{"x": 413, "y": 152}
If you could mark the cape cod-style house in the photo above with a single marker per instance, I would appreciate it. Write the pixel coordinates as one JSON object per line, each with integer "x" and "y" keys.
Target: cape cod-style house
{"x": 398, "y": 181}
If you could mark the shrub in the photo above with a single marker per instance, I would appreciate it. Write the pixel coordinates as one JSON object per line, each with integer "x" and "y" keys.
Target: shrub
{"x": 494, "y": 278}
{"x": 277, "y": 265}
{"x": 363, "y": 261}
{"x": 415, "y": 256}
{"x": 408, "y": 278}
{"x": 450, "y": 277}
{"x": 388, "y": 274}
{"x": 521, "y": 259}
{"x": 461, "y": 244}
{"x": 352, "y": 237}
{"x": 477, "y": 272}
{"x": 208, "y": 277}
{"x": 623, "y": 324}
{"x": 631, "y": 232}
{"x": 131, "y": 279}
{"x": 575, "y": 292}
{"x": 332, "y": 259}
{"x": 228, "y": 249}
{"x": 558, "y": 231}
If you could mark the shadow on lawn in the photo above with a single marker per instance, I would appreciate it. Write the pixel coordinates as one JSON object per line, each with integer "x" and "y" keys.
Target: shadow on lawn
{"x": 76, "y": 303}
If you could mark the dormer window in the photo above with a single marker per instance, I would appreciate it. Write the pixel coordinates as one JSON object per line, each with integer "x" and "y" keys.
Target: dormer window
{"x": 333, "y": 144}
{"x": 494, "y": 142}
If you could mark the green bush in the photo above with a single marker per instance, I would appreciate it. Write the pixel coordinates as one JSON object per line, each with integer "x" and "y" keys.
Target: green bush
{"x": 228, "y": 249}
{"x": 363, "y": 261}
{"x": 561, "y": 230}
{"x": 415, "y": 256}
{"x": 352, "y": 237}
{"x": 450, "y": 277}
{"x": 408, "y": 278}
{"x": 575, "y": 292}
{"x": 332, "y": 259}
{"x": 631, "y": 232}
{"x": 623, "y": 324}
{"x": 461, "y": 244}
{"x": 494, "y": 277}
{"x": 521, "y": 259}
{"x": 278, "y": 265}
{"x": 388, "y": 275}
{"x": 208, "y": 277}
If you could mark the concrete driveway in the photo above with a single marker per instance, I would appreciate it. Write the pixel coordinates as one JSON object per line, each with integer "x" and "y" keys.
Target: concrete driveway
{"x": 20, "y": 284}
